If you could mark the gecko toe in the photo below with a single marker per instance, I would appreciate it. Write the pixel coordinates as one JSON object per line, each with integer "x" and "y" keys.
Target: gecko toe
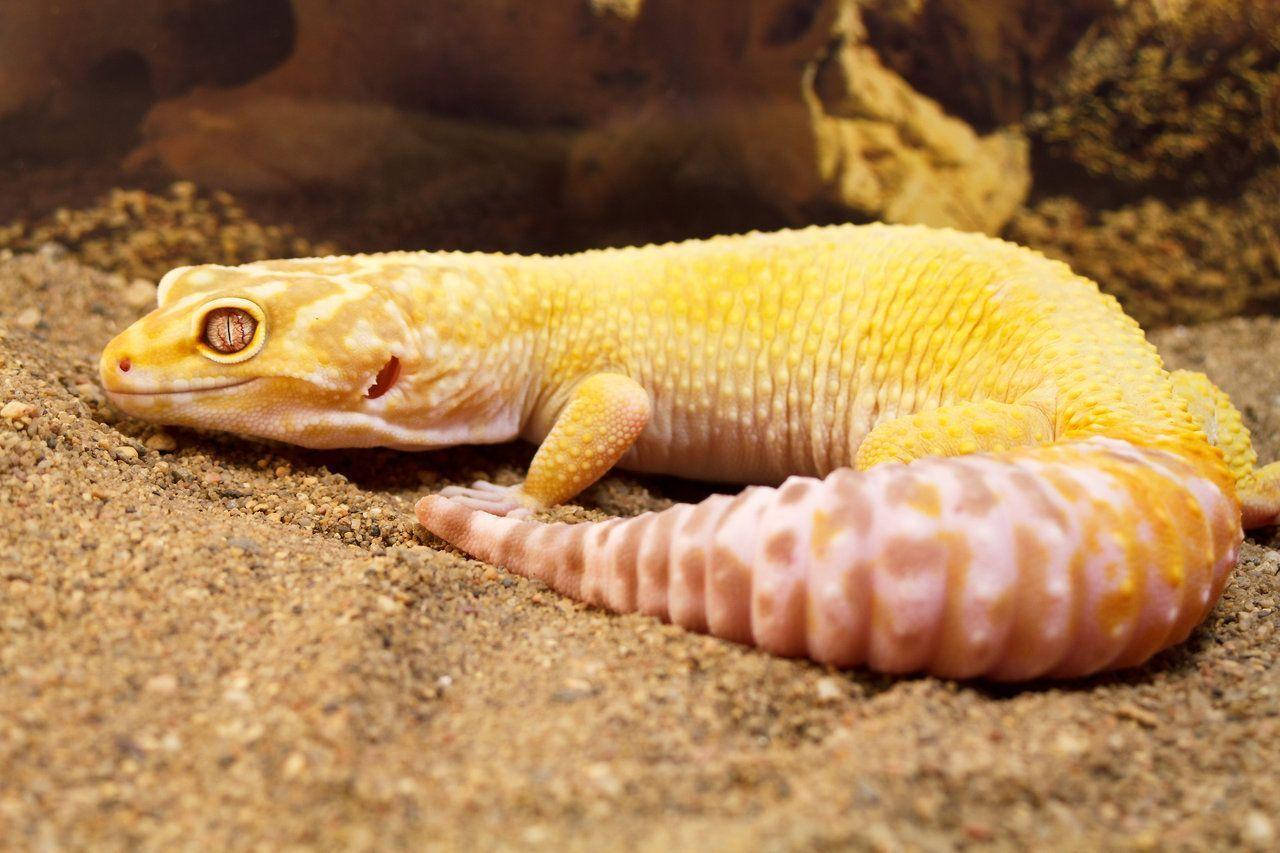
{"x": 487, "y": 497}
{"x": 486, "y": 486}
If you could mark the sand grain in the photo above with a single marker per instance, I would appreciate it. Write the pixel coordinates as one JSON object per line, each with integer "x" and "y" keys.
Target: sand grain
{"x": 210, "y": 642}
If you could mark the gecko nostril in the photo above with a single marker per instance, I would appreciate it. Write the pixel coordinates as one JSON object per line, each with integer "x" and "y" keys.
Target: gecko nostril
{"x": 125, "y": 364}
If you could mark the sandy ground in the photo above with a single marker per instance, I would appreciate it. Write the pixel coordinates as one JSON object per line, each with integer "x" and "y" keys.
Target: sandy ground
{"x": 208, "y": 642}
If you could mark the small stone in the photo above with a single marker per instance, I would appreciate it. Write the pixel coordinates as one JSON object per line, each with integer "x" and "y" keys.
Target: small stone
{"x": 163, "y": 683}
{"x": 160, "y": 442}
{"x": 535, "y": 834}
{"x": 244, "y": 543}
{"x": 1258, "y": 832}
{"x": 27, "y": 319}
{"x": 387, "y": 604}
{"x": 88, "y": 391}
{"x": 125, "y": 453}
{"x": 926, "y": 807}
{"x": 294, "y": 765}
{"x": 978, "y": 831}
{"x": 829, "y": 689}
{"x": 15, "y": 409}
{"x": 602, "y": 776}
{"x": 140, "y": 293}
{"x": 880, "y": 837}
{"x": 1066, "y": 743}
{"x": 574, "y": 689}
{"x": 1141, "y": 716}
{"x": 1146, "y": 840}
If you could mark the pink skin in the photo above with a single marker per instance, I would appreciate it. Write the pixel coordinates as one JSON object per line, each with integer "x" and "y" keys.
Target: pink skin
{"x": 487, "y": 497}
{"x": 1005, "y": 566}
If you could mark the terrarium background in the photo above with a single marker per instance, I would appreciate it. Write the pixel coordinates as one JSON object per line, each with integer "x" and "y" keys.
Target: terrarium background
{"x": 1136, "y": 140}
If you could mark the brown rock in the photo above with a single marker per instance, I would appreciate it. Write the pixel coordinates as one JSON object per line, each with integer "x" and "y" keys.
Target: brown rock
{"x": 784, "y": 106}
{"x": 1186, "y": 91}
{"x": 799, "y": 113}
{"x": 27, "y": 319}
{"x": 1170, "y": 262}
{"x": 78, "y": 77}
{"x": 983, "y": 61}
{"x": 17, "y": 409}
{"x": 161, "y": 442}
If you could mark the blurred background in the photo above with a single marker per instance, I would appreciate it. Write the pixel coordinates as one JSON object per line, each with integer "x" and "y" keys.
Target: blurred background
{"x": 1135, "y": 139}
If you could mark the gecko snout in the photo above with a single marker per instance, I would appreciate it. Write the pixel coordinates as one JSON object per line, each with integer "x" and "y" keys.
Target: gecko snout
{"x": 118, "y": 368}
{"x": 113, "y": 364}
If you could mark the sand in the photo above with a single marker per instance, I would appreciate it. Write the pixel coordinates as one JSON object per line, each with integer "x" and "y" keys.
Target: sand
{"x": 207, "y": 642}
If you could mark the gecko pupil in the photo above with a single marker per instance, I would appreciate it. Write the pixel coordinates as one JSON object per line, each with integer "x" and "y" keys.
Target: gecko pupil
{"x": 229, "y": 330}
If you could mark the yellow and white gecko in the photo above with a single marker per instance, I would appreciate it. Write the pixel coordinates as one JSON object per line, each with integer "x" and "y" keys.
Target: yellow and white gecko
{"x": 1014, "y": 486}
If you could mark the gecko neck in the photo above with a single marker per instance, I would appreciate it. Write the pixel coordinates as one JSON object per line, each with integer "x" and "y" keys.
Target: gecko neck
{"x": 480, "y": 335}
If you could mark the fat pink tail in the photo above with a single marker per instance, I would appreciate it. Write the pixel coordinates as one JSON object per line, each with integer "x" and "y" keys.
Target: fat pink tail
{"x": 1057, "y": 561}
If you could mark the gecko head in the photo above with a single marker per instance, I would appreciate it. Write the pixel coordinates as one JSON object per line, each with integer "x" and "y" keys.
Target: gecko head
{"x": 312, "y": 359}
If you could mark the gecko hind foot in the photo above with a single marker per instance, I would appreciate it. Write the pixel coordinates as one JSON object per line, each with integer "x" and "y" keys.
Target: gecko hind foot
{"x": 1260, "y": 497}
{"x": 491, "y": 498}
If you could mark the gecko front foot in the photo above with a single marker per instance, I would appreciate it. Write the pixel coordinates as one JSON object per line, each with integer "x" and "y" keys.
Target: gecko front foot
{"x": 509, "y": 501}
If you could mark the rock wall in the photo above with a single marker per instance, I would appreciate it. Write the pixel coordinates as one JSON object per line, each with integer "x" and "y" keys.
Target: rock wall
{"x": 1098, "y": 130}
{"x": 1159, "y": 159}
{"x": 1179, "y": 91}
{"x": 781, "y": 102}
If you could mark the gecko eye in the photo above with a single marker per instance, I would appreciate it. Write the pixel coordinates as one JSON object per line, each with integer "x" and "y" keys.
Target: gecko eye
{"x": 229, "y": 330}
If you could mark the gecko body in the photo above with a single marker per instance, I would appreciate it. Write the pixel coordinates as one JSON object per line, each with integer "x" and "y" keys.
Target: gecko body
{"x": 1013, "y": 484}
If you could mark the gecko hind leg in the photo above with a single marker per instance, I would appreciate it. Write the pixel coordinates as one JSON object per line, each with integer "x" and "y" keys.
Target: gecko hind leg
{"x": 1258, "y": 489}
{"x": 1259, "y": 494}
{"x": 955, "y": 430}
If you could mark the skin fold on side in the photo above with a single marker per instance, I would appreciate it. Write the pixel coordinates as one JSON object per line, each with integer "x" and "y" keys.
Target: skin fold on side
{"x": 991, "y": 472}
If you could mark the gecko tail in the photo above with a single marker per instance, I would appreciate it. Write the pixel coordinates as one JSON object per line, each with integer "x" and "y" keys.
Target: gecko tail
{"x": 1055, "y": 561}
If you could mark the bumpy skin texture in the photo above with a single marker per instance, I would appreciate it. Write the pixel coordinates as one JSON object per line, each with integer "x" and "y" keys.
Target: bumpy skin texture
{"x": 1055, "y": 562}
{"x": 1087, "y": 521}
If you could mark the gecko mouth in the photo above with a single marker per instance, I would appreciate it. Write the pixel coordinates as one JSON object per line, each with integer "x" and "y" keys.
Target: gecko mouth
{"x": 202, "y": 389}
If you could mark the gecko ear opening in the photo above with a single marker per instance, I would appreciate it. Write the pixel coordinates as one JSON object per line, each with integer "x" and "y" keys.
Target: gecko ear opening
{"x": 386, "y": 378}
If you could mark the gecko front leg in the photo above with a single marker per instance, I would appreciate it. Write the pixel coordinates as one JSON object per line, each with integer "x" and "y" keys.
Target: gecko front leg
{"x": 604, "y": 416}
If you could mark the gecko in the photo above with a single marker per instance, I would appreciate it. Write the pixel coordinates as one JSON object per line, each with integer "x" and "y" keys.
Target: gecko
{"x": 959, "y": 457}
